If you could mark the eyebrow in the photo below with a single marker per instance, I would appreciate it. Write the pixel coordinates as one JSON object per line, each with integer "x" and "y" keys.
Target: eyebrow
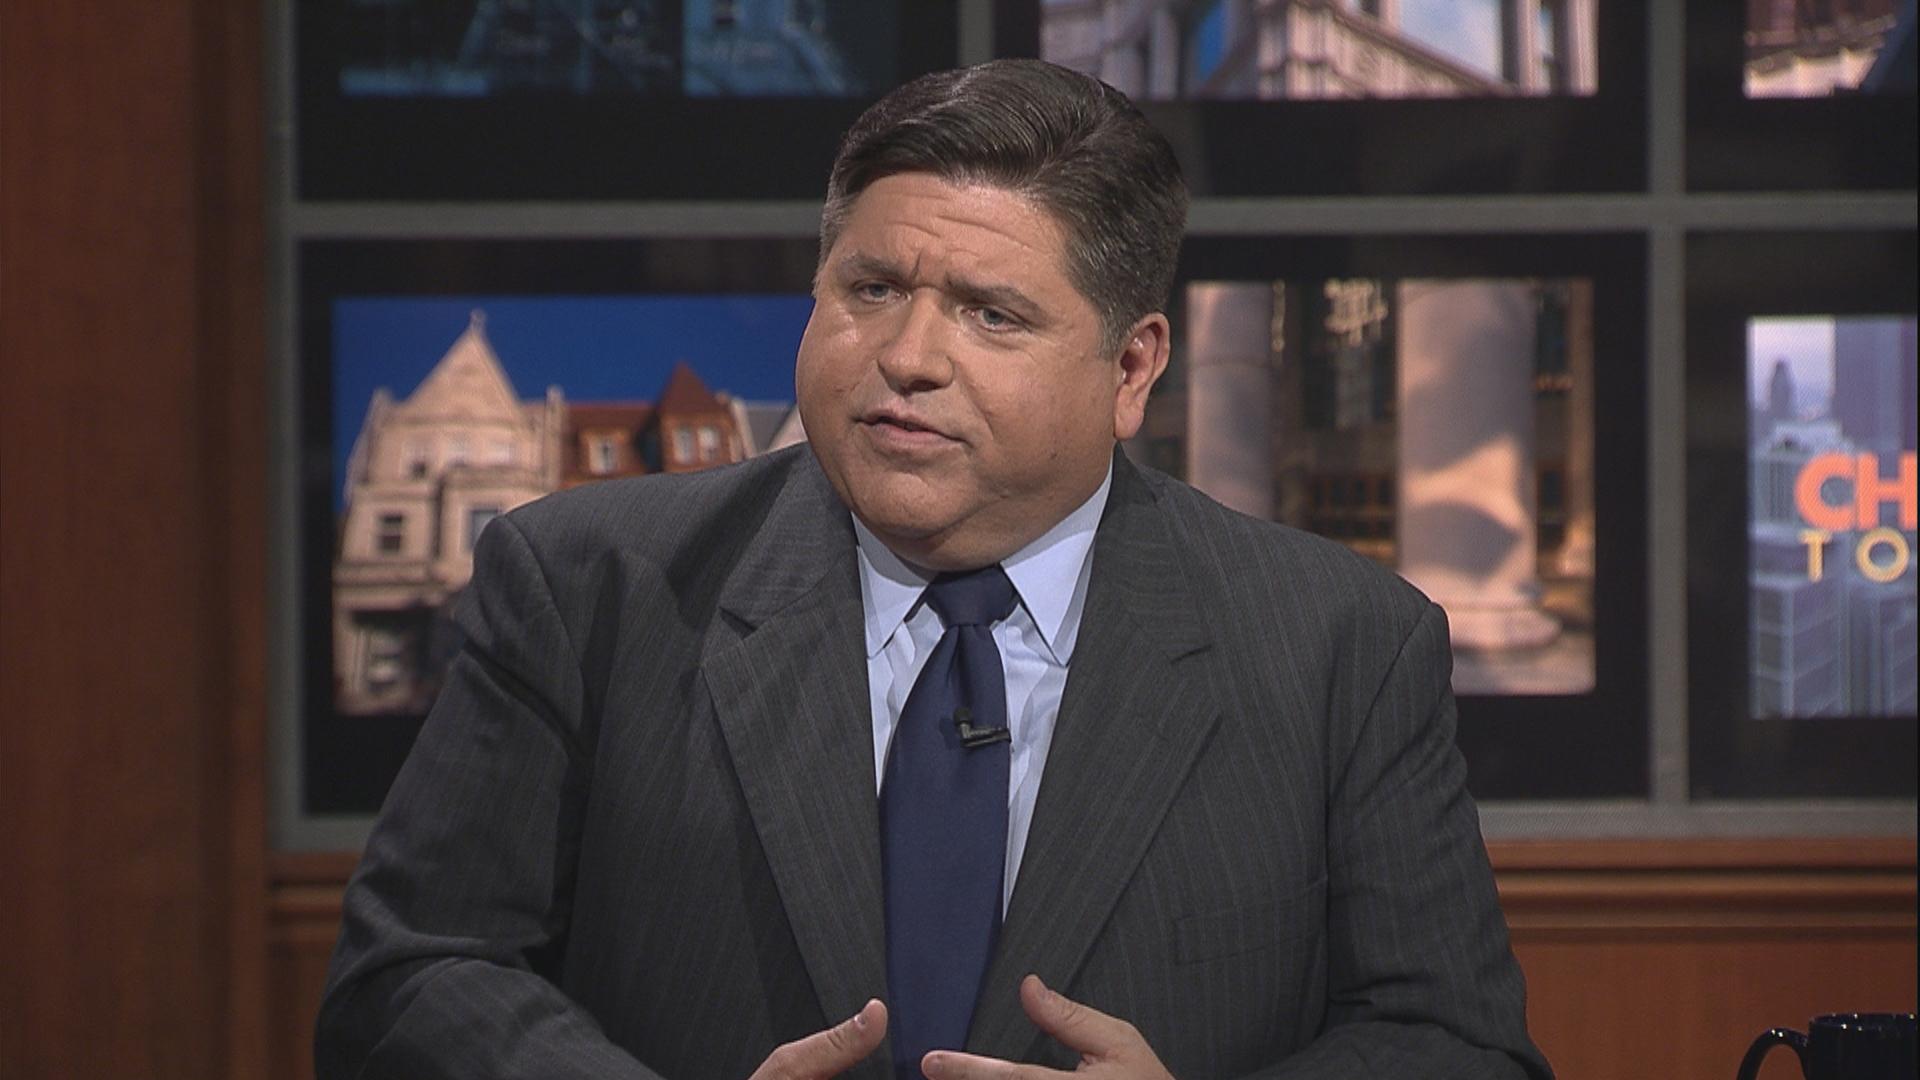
{"x": 997, "y": 296}
{"x": 861, "y": 265}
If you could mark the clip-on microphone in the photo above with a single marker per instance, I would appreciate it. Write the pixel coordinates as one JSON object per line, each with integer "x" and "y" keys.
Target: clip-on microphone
{"x": 975, "y": 737}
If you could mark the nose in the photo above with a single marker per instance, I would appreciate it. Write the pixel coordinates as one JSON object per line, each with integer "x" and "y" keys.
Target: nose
{"x": 914, "y": 357}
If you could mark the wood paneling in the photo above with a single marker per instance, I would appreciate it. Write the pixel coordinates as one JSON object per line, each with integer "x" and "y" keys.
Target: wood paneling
{"x": 1666, "y": 958}
{"x": 1643, "y": 958}
{"x": 1681, "y": 1007}
{"x": 305, "y": 921}
{"x": 131, "y": 522}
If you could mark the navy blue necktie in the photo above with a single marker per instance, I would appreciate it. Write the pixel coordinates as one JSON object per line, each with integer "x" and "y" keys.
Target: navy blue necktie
{"x": 943, "y": 822}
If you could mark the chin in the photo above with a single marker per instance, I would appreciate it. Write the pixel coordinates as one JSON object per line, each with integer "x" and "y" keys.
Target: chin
{"x": 892, "y": 521}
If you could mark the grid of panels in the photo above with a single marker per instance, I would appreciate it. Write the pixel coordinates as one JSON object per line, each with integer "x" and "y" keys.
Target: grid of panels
{"x": 1587, "y": 188}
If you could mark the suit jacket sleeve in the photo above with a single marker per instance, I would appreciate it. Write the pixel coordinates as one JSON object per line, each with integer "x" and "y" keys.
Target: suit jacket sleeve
{"x": 453, "y": 922}
{"x": 1421, "y": 979}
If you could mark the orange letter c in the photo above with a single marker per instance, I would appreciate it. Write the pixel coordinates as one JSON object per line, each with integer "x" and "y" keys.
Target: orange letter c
{"x": 1814, "y": 510}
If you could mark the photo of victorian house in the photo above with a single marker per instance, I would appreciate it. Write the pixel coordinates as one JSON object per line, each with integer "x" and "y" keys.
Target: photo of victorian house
{"x": 429, "y": 470}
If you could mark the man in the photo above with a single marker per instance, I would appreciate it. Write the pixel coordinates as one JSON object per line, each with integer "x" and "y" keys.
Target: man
{"x": 954, "y": 741}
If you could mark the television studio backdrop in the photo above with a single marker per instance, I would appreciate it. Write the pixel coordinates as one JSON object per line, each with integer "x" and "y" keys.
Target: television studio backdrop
{"x": 1594, "y": 320}
{"x": 1655, "y": 270}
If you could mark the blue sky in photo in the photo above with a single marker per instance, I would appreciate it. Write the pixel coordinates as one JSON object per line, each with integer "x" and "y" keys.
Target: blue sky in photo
{"x": 595, "y": 348}
{"x": 1804, "y": 342}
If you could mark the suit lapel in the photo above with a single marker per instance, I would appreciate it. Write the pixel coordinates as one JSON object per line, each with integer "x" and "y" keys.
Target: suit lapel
{"x": 788, "y": 679}
{"x": 1133, "y": 718}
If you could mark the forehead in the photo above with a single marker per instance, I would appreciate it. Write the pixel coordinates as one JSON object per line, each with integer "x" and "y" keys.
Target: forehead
{"x": 914, "y": 217}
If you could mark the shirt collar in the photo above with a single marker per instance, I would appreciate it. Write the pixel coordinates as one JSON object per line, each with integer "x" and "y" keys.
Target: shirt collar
{"x": 1048, "y": 574}
{"x": 889, "y": 587}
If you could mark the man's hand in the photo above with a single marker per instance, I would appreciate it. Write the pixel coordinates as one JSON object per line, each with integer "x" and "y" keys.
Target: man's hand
{"x": 828, "y": 1053}
{"x": 1110, "y": 1048}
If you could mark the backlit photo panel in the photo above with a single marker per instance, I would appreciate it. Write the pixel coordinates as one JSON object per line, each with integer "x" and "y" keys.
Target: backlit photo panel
{"x": 1831, "y": 526}
{"x": 1440, "y": 426}
{"x": 1175, "y": 50}
{"x": 1809, "y": 50}
{"x": 656, "y": 48}
{"x": 450, "y": 411}
{"x": 1800, "y": 514}
{"x": 1806, "y": 95}
{"x": 594, "y": 99}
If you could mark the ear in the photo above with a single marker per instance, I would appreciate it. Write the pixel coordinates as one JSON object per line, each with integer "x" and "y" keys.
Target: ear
{"x": 1142, "y": 360}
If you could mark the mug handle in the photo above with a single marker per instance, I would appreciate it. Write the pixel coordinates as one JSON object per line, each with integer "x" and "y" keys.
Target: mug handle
{"x": 1750, "y": 1065}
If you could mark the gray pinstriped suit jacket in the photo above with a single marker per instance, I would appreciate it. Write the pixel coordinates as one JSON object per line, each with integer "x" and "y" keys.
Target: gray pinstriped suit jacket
{"x": 638, "y": 836}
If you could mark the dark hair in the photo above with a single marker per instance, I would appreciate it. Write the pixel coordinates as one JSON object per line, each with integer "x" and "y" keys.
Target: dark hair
{"x": 1072, "y": 144}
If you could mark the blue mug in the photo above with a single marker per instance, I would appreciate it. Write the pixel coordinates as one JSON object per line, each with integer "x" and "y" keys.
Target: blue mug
{"x": 1844, "y": 1046}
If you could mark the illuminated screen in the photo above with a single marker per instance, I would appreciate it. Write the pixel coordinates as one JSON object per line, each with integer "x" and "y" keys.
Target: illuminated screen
{"x": 1441, "y": 426}
{"x": 699, "y": 48}
{"x": 1175, "y": 50}
{"x": 1810, "y": 50}
{"x": 448, "y": 411}
{"x": 1832, "y": 522}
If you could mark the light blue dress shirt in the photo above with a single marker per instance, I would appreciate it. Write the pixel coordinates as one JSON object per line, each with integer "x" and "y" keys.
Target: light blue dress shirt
{"x": 1036, "y": 645}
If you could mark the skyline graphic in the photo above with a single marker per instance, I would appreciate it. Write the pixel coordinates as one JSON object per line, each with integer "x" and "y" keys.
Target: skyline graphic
{"x": 1805, "y": 343}
{"x": 1832, "y": 515}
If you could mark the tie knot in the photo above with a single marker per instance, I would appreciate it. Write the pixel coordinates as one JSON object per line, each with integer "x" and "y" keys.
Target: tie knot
{"x": 973, "y": 598}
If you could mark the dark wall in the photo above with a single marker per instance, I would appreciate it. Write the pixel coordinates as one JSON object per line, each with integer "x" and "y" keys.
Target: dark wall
{"x": 131, "y": 552}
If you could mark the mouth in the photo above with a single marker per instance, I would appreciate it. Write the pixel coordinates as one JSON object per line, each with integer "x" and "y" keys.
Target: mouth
{"x": 894, "y": 428}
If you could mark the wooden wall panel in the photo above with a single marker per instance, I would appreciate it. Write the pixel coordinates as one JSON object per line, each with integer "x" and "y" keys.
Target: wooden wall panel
{"x": 305, "y": 921}
{"x": 1687, "y": 1005}
{"x": 1667, "y": 958}
{"x": 131, "y": 521}
{"x": 1643, "y": 958}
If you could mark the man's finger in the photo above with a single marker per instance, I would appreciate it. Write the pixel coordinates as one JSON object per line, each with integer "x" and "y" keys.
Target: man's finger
{"x": 831, "y": 1052}
{"x": 954, "y": 1065}
{"x": 1078, "y": 1027}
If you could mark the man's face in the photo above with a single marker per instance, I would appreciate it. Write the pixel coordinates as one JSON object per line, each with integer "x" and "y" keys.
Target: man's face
{"x": 951, "y": 379}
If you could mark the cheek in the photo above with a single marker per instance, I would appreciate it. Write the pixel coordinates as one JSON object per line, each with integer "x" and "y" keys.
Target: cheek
{"x": 1081, "y": 411}
{"x": 1032, "y": 426}
{"x": 810, "y": 367}
{"x": 828, "y": 355}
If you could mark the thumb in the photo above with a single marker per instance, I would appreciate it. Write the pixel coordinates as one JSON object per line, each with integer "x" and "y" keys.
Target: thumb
{"x": 1078, "y": 1027}
{"x": 831, "y": 1052}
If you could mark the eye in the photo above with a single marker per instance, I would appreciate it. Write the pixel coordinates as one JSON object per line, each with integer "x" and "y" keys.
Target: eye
{"x": 992, "y": 318}
{"x": 873, "y": 292}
